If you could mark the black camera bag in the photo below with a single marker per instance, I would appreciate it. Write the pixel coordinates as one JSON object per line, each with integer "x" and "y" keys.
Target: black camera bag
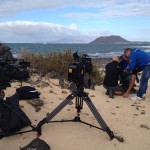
{"x": 27, "y": 92}
{"x": 10, "y": 111}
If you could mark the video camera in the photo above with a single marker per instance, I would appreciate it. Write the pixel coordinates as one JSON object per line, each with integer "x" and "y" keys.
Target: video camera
{"x": 78, "y": 68}
{"x": 15, "y": 69}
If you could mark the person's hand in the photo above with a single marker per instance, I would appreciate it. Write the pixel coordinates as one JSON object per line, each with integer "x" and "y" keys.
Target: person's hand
{"x": 125, "y": 95}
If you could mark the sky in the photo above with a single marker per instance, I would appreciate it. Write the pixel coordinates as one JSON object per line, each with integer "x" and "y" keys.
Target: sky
{"x": 73, "y": 21}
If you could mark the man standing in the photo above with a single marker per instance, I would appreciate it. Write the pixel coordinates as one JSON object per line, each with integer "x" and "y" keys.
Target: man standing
{"x": 139, "y": 60}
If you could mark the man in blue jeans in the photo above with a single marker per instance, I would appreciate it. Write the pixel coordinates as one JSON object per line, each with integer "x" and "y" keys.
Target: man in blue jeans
{"x": 139, "y": 60}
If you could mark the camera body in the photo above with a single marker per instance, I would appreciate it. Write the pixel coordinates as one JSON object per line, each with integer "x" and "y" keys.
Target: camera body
{"x": 12, "y": 70}
{"x": 76, "y": 72}
{"x": 78, "y": 68}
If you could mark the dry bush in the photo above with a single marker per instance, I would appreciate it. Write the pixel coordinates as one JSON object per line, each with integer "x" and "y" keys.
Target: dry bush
{"x": 97, "y": 76}
{"x": 55, "y": 62}
{"x": 51, "y": 61}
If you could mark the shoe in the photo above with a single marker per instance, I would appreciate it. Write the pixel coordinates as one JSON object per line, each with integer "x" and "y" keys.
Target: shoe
{"x": 111, "y": 94}
{"x": 107, "y": 92}
{"x": 144, "y": 96}
{"x": 136, "y": 98}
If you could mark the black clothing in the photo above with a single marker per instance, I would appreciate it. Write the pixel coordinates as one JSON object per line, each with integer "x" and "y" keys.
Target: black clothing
{"x": 12, "y": 118}
{"x": 113, "y": 72}
{"x": 110, "y": 90}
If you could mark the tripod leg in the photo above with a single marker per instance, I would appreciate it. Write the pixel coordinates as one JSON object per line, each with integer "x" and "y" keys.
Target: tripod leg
{"x": 98, "y": 116}
{"x": 55, "y": 112}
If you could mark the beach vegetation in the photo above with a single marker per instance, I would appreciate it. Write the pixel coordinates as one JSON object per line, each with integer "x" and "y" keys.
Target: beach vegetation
{"x": 57, "y": 62}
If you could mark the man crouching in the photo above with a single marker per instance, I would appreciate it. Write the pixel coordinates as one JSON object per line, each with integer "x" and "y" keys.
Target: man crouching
{"x": 113, "y": 73}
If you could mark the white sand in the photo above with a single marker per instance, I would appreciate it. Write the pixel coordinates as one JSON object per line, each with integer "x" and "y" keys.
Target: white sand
{"x": 122, "y": 118}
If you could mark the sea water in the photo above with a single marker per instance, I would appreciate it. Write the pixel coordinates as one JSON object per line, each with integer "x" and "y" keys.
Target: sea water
{"x": 93, "y": 50}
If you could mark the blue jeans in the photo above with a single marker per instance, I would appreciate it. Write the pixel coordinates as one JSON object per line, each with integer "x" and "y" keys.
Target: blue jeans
{"x": 144, "y": 81}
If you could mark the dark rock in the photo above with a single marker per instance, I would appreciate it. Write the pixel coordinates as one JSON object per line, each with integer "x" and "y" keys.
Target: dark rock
{"x": 36, "y": 144}
{"x": 136, "y": 105}
{"x": 37, "y": 109}
{"x": 143, "y": 112}
{"x": 63, "y": 84}
{"x": 86, "y": 114}
{"x": 51, "y": 91}
{"x": 119, "y": 138}
{"x": 36, "y": 102}
{"x": 52, "y": 75}
{"x": 70, "y": 103}
{"x": 113, "y": 113}
{"x": 73, "y": 87}
{"x": 64, "y": 92}
{"x": 40, "y": 83}
{"x": 144, "y": 126}
{"x": 30, "y": 81}
{"x": 92, "y": 95}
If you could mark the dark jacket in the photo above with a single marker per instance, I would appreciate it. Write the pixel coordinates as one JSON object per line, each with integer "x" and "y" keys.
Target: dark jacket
{"x": 113, "y": 72}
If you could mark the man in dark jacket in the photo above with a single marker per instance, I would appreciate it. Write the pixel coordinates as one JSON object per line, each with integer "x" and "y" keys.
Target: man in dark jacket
{"x": 5, "y": 53}
{"x": 112, "y": 75}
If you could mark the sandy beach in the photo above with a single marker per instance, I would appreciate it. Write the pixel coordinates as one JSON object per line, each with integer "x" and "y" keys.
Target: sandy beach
{"x": 125, "y": 118}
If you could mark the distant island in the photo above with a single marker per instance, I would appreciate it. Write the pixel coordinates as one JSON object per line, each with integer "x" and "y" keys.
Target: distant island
{"x": 113, "y": 39}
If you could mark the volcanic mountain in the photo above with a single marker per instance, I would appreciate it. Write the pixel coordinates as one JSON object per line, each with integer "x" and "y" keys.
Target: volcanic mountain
{"x": 110, "y": 39}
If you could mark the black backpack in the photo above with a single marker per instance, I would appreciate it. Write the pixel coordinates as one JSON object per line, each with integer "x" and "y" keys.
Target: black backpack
{"x": 10, "y": 111}
{"x": 27, "y": 92}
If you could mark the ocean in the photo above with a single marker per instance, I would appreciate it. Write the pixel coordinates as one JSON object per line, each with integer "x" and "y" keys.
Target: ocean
{"x": 93, "y": 50}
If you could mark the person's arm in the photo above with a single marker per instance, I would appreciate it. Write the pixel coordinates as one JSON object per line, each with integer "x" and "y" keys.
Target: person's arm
{"x": 122, "y": 75}
{"x": 132, "y": 63}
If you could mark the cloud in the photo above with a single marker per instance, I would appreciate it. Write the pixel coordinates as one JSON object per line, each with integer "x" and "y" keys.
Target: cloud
{"x": 105, "y": 8}
{"x": 28, "y": 31}
{"x": 122, "y": 9}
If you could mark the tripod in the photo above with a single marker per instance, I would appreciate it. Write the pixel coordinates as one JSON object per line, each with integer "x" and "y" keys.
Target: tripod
{"x": 80, "y": 96}
{"x": 3, "y": 103}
